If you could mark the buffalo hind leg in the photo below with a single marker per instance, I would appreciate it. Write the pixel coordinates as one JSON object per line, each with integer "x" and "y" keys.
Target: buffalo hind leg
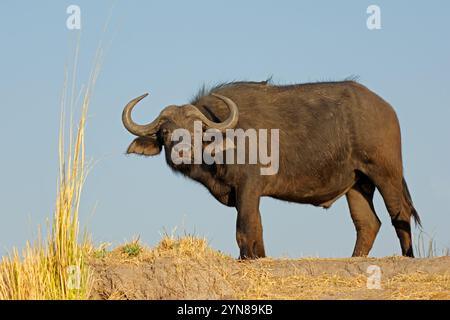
{"x": 249, "y": 233}
{"x": 393, "y": 195}
{"x": 366, "y": 221}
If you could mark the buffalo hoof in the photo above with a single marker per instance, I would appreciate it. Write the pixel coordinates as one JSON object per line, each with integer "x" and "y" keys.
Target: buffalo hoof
{"x": 252, "y": 252}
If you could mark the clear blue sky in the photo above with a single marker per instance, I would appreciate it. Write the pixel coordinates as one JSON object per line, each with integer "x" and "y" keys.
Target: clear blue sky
{"x": 170, "y": 48}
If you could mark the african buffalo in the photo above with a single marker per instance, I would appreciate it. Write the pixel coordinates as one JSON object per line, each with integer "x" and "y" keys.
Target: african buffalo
{"x": 335, "y": 139}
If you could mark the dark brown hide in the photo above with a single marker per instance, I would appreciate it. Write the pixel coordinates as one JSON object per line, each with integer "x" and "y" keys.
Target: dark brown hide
{"x": 336, "y": 139}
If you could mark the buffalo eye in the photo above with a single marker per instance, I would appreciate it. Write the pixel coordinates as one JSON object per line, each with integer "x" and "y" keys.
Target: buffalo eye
{"x": 165, "y": 132}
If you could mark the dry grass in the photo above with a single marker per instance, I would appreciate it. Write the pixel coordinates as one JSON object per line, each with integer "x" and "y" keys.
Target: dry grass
{"x": 264, "y": 285}
{"x": 55, "y": 268}
{"x": 186, "y": 267}
{"x": 419, "y": 285}
{"x": 187, "y": 247}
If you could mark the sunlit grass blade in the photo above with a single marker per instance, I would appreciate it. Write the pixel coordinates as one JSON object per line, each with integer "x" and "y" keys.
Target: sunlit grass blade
{"x": 56, "y": 268}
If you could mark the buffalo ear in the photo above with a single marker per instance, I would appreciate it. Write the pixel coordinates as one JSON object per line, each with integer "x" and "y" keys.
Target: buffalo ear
{"x": 145, "y": 146}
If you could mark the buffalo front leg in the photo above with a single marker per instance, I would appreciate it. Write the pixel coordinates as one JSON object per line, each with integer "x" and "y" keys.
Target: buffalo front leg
{"x": 249, "y": 232}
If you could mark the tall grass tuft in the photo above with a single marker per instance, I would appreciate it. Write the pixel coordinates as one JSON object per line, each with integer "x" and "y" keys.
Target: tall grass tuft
{"x": 425, "y": 245}
{"x": 56, "y": 267}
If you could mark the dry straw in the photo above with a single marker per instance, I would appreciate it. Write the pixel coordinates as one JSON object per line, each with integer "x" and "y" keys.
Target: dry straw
{"x": 56, "y": 267}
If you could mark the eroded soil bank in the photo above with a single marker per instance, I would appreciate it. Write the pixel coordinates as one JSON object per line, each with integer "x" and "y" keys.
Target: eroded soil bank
{"x": 189, "y": 269}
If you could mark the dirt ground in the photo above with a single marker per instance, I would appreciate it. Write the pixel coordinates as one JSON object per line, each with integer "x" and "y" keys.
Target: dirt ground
{"x": 188, "y": 269}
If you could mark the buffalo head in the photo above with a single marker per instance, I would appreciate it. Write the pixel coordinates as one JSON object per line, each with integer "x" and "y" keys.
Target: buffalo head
{"x": 153, "y": 136}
